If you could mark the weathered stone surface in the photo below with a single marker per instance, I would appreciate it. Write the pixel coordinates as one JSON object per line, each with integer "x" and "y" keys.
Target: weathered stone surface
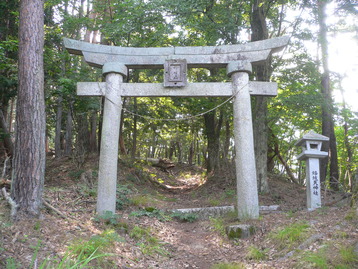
{"x": 247, "y": 194}
{"x": 77, "y": 47}
{"x": 217, "y": 211}
{"x": 114, "y": 67}
{"x": 269, "y": 208}
{"x": 311, "y": 144}
{"x": 240, "y": 231}
{"x": 213, "y": 89}
{"x": 108, "y": 161}
{"x": 238, "y": 66}
{"x": 154, "y": 62}
{"x": 206, "y": 212}
{"x": 175, "y": 73}
{"x": 219, "y": 56}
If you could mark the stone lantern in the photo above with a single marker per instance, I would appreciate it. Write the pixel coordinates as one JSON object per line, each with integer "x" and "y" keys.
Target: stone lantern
{"x": 311, "y": 144}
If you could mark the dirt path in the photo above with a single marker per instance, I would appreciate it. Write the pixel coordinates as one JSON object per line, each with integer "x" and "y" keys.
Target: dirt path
{"x": 168, "y": 243}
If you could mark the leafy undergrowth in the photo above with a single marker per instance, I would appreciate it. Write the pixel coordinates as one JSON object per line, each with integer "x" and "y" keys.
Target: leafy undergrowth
{"x": 145, "y": 233}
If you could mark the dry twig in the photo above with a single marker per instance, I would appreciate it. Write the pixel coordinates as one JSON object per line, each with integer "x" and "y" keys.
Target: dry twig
{"x": 12, "y": 203}
{"x": 49, "y": 206}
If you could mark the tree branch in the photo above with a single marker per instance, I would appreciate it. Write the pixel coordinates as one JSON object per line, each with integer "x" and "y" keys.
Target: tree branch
{"x": 11, "y": 202}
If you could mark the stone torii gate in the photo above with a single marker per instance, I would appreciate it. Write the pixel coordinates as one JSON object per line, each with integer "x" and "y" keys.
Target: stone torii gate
{"x": 115, "y": 62}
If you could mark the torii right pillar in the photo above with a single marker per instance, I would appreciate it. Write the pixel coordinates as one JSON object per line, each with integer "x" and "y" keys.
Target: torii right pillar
{"x": 247, "y": 193}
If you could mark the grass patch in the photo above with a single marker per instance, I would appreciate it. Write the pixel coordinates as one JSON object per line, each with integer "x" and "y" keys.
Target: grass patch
{"x": 328, "y": 257}
{"x": 214, "y": 202}
{"x": 152, "y": 213}
{"x": 184, "y": 217}
{"x": 228, "y": 266}
{"x": 122, "y": 200}
{"x": 147, "y": 243}
{"x": 97, "y": 244}
{"x": 11, "y": 263}
{"x": 218, "y": 225}
{"x": 351, "y": 215}
{"x": 112, "y": 220}
{"x": 76, "y": 174}
{"x": 256, "y": 254}
{"x": 291, "y": 235}
{"x": 143, "y": 200}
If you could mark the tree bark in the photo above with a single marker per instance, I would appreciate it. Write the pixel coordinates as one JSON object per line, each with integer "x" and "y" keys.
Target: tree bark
{"x": 68, "y": 135}
{"x": 227, "y": 140}
{"x": 93, "y": 133}
{"x": 262, "y": 73}
{"x": 30, "y": 155}
{"x": 327, "y": 106}
{"x": 212, "y": 131}
{"x": 134, "y": 138}
{"x": 9, "y": 147}
{"x": 284, "y": 163}
{"x": 58, "y": 150}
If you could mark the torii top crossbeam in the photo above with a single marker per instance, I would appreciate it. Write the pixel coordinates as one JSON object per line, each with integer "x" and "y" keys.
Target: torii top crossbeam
{"x": 137, "y": 58}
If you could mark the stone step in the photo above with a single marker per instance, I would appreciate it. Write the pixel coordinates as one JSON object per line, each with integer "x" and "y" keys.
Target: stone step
{"x": 217, "y": 211}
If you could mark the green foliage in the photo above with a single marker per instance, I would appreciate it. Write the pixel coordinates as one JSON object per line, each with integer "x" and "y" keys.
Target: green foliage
{"x": 218, "y": 225}
{"x": 214, "y": 202}
{"x": 152, "y": 213}
{"x": 142, "y": 200}
{"x": 78, "y": 256}
{"x": 348, "y": 256}
{"x": 95, "y": 245}
{"x": 123, "y": 191}
{"x": 256, "y": 254}
{"x": 147, "y": 243}
{"x": 184, "y": 217}
{"x": 318, "y": 259}
{"x": 290, "y": 235}
{"x": 228, "y": 266}
{"x": 107, "y": 218}
{"x": 351, "y": 215}
{"x": 8, "y": 69}
{"x": 72, "y": 261}
{"x": 75, "y": 174}
{"x": 11, "y": 263}
{"x": 340, "y": 257}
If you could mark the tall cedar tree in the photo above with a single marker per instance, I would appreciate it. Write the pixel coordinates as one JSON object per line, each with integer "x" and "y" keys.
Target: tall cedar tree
{"x": 262, "y": 73}
{"x": 327, "y": 106}
{"x": 29, "y": 158}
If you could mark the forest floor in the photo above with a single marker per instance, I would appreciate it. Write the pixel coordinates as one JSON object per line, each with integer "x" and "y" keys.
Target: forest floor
{"x": 143, "y": 234}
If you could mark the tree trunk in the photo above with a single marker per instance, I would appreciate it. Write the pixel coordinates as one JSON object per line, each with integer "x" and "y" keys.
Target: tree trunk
{"x": 212, "y": 131}
{"x": 349, "y": 167}
{"x": 171, "y": 150}
{"x": 58, "y": 150}
{"x": 82, "y": 141}
{"x": 93, "y": 133}
{"x": 327, "y": 106}
{"x": 30, "y": 155}
{"x": 180, "y": 152}
{"x": 7, "y": 137}
{"x": 227, "y": 140}
{"x": 191, "y": 153}
{"x": 262, "y": 73}
{"x": 122, "y": 146}
{"x": 9, "y": 122}
{"x": 285, "y": 164}
{"x": 68, "y": 135}
{"x": 134, "y": 138}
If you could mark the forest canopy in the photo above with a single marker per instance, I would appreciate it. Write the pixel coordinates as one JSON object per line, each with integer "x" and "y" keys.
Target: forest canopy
{"x": 304, "y": 102}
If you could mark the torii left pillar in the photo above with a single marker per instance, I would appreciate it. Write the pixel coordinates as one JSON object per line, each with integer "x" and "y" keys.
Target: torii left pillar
{"x": 108, "y": 162}
{"x": 247, "y": 194}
